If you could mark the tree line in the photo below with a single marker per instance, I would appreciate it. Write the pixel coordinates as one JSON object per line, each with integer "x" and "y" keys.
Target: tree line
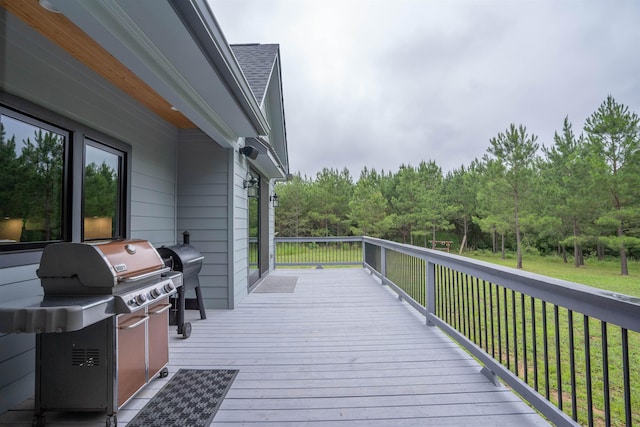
{"x": 578, "y": 196}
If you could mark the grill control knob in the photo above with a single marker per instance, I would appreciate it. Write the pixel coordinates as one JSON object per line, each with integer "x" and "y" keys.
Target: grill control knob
{"x": 169, "y": 287}
{"x": 141, "y": 299}
{"x": 155, "y": 293}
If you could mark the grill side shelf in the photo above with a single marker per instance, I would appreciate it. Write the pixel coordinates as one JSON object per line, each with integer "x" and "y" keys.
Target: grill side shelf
{"x": 54, "y": 314}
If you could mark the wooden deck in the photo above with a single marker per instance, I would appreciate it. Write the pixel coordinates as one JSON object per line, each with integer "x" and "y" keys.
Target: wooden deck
{"x": 339, "y": 350}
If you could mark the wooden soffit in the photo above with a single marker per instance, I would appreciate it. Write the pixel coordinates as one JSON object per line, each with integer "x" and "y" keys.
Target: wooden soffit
{"x": 57, "y": 28}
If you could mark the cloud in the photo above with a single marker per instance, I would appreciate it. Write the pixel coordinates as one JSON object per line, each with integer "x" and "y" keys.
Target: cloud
{"x": 384, "y": 83}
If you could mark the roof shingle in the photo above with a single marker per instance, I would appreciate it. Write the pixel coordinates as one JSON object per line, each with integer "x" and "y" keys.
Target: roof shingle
{"x": 256, "y": 62}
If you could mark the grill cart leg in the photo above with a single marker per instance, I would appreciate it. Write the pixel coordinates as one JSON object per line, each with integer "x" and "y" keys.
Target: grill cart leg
{"x": 180, "y": 314}
{"x": 203, "y": 313}
{"x": 184, "y": 328}
{"x": 112, "y": 421}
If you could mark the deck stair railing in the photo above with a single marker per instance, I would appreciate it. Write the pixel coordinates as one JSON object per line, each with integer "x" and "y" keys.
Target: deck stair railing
{"x": 570, "y": 351}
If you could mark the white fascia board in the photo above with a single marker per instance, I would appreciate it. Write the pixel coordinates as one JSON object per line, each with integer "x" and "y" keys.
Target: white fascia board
{"x": 149, "y": 38}
{"x": 278, "y": 139}
{"x": 198, "y": 16}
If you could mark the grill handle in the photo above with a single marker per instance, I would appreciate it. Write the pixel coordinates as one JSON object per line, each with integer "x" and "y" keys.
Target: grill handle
{"x": 136, "y": 324}
{"x": 198, "y": 259}
{"x": 164, "y": 308}
{"x": 144, "y": 276}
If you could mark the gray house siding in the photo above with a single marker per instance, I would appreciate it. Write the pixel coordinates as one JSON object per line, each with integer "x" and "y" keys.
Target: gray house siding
{"x": 74, "y": 92}
{"x": 240, "y": 230}
{"x": 203, "y": 200}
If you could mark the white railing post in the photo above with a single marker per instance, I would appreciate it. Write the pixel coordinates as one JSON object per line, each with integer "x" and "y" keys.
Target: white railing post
{"x": 430, "y": 291}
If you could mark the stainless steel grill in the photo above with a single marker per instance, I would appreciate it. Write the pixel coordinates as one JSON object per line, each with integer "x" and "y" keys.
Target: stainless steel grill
{"x": 102, "y": 325}
{"x": 130, "y": 270}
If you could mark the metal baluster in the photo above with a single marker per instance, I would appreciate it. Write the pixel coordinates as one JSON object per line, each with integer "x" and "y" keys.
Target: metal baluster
{"x": 626, "y": 378}
{"x": 493, "y": 342}
{"x": 499, "y": 324}
{"x": 446, "y": 284}
{"x": 475, "y": 301}
{"x": 524, "y": 338}
{"x": 605, "y": 374}
{"x": 515, "y": 330}
{"x": 572, "y": 367}
{"x": 558, "y": 364}
{"x": 459, "y": 299}
{"x": 587, "y": 359}
{"x": 465, "y": 299}
{"x": 534, "y": 341}
{"x": 442, "y": 290}
{"x": 506, "y": 327}
{"x": 545, "y": 337}
{"x": 484, "y": 311}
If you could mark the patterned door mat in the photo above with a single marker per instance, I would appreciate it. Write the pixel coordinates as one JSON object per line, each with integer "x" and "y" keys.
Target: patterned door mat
{"x": 278, "y": 284}
{"x": 190, "y": 398}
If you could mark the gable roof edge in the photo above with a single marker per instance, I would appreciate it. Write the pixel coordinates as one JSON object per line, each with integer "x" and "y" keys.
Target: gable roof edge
{"x": 199, "y": 18}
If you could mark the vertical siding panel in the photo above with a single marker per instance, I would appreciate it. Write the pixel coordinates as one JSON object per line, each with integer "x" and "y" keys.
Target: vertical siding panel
{"x": 240, "y": 230}
{"x": 203, "y": 194}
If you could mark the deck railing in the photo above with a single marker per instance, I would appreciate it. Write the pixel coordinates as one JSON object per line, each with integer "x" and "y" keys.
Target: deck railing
{"x": 318, "y": 251}
{"x": 571, "y": 351}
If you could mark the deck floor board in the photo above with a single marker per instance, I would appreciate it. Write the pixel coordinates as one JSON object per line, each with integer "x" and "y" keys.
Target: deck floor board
{"x": 339, "y": 350}
{"x": 342, "y": 350}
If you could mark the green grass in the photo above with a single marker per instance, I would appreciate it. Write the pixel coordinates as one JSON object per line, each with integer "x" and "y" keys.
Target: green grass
{"x": 599, "y": 274}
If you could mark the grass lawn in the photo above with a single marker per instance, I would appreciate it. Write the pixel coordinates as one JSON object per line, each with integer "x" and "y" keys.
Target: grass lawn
{"x": 599, "y": 274}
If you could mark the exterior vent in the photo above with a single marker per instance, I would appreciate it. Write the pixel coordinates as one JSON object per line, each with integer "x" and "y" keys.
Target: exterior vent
{"x": 85, "y": 357}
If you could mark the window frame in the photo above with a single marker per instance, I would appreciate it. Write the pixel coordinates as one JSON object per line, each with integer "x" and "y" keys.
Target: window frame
{"x": 66, "y": 156}
{"x": 27, "y": 253}
{"x": 121, "y": 226}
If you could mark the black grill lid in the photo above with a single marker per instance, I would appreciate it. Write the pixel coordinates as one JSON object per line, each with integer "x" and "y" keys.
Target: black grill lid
{"x": 183, "y": 257}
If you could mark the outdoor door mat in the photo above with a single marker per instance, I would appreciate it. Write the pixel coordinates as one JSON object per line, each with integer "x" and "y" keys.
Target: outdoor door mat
{"x": 190, "y": 398}
{"x": 278, "y": 284}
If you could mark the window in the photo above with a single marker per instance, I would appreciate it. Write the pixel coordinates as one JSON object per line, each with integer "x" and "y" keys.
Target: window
{"x": 102, "y": 201}
{"x": 32, "y": 172}
{"x": 61, "y": 182}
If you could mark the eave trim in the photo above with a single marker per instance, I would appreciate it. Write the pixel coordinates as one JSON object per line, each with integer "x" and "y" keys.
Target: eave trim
{"x": 199, "y": 19}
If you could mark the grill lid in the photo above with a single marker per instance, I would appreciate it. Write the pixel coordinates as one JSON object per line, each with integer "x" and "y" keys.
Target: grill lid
{"x": 182, "y": 257}
{"x": 186, "y": 259}
{"x": 96, "y": 267}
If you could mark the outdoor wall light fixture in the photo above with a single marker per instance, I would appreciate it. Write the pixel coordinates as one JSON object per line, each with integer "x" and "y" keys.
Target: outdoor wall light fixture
{"x": 250, "y": 152}
{"x": 275, "y": 200}
{"x": 252, "y": 184}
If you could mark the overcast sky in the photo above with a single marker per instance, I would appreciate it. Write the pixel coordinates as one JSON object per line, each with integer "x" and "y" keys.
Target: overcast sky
{"x": 381, "y": 83}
